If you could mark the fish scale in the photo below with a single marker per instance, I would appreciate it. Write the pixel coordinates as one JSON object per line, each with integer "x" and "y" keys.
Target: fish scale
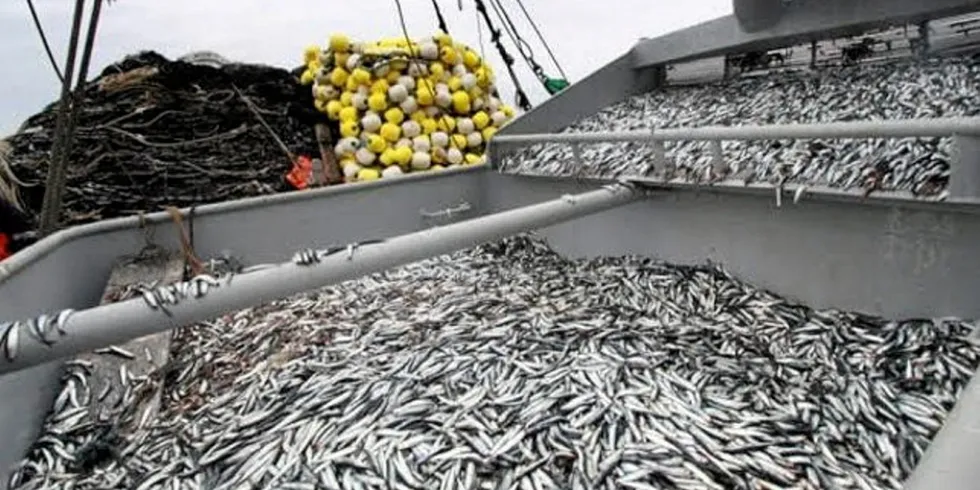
{"x": 673, "y": 377}
{"x": 903, "y": 89}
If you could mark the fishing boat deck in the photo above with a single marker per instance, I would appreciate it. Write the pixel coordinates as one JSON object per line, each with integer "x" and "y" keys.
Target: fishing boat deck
{"x": 510, "y": 364}
{"x": 810, "y": 360}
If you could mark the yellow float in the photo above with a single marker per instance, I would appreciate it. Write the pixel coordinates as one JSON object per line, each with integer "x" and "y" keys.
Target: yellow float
{"x": 408, "y": 106}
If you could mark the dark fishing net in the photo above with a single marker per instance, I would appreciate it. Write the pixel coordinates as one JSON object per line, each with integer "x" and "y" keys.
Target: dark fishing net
{"x": 154, "y": 132}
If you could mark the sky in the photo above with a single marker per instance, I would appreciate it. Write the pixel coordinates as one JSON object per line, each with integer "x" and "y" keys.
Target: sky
{"x": 583, "y": 34}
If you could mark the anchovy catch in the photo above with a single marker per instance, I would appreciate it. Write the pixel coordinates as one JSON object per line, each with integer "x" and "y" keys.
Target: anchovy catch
{"x": 902, "y": 89}
{"x": 509, "y": 366}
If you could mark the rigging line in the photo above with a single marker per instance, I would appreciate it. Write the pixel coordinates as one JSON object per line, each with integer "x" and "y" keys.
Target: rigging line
{"x": 412, "y": 51}
{"x": 495, "y": 38}
{"x": 44, "y": 40}
{"x": 520, "y": 43}
{"x": 48, "y": 219}
{"x": 479, "y": 34}
{"x": 537, "y": 31}
{"x": 514, "y": 33}
{"x": 77, "y": 99}
{"x": 508, "y": 60}
{"x": 439, "y": 17}
{"x": 508, "y": 28}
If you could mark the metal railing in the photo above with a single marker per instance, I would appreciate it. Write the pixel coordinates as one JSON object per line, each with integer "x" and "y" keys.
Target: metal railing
{"x": 61, "y": 334}
{"x": 962, "y": 181}
{"x": 904, "y": 128}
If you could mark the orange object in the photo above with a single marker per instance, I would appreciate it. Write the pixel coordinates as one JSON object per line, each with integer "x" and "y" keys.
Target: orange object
{"x": 4, "y": 246}
{"x": 301, "y": 173}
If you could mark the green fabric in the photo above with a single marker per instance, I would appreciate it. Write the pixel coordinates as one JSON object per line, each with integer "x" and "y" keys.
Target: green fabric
{"x": 555, "y": 85}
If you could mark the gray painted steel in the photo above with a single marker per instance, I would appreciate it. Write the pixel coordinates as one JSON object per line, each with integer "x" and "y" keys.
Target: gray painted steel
{"x": 950, "y": 462}
{"x": 800, "y": 23}
{"x": 898, "y": 128}
{"x": 754, "y": 15}
{"x": 964, "y": 179}
{"x": 610, "y": 84}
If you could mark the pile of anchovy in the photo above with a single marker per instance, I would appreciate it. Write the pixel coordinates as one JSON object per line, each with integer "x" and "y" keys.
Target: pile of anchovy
{"x": 510, "y": 367}
{"x": 904, "y": 89}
